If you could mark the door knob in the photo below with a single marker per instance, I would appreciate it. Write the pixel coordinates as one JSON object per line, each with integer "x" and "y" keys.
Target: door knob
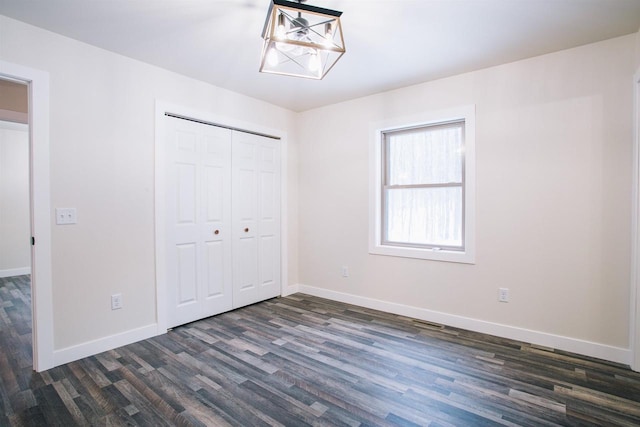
{"x": 246, "y": 230}
{"x": 216, "y": 232}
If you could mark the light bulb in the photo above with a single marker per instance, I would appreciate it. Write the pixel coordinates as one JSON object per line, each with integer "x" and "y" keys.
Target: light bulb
{"x": 328, "y": 34}
{"x": 281, "y": 31}
{"x": 314, "y": 62}
{"x": 272, "y": 57}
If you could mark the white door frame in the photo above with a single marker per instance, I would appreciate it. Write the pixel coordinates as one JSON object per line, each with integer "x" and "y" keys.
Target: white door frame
{"x": 160, "y": 188}
{"x": 634, "y": 317}
{"x": 41, "y": 281}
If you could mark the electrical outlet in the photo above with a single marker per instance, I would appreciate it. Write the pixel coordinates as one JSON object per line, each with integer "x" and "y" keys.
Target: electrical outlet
{"x": 116, "y": 301}
{"x": 345, "y": 271}
{"x": 503, "y": 294}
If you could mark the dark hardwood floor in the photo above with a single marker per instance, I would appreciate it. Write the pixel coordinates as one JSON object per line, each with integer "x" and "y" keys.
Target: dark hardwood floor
{"x": 303, "y": 360}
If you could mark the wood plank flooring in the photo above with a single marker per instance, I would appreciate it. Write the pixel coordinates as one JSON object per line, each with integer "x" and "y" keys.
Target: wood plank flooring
{"x": 303, "y": 360}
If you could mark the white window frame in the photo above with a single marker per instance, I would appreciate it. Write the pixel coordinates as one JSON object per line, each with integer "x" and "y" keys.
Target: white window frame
{"x": 376, "y": 179}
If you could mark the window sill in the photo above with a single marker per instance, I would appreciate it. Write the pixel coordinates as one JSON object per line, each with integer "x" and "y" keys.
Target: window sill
{"x": 428, "y": 254}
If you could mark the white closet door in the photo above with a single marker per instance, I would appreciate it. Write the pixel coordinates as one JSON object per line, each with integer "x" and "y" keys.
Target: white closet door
{"x": 256, "y": 218}
{"x": 199, "y": 265}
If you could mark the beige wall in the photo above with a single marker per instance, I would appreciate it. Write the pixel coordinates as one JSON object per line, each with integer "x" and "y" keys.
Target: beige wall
{"x": 553, "y": 147}
{"x": 15, "y": 251}
{"x": 13, "y": 96}
{"x": 102, "y": 162}
{"x": 13, "y": 101}
{"x": 637, "y": 53}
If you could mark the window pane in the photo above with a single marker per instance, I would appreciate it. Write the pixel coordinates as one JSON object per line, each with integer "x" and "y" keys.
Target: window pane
{"x": 425, "y": 216}
{"x": 425, "y": 156}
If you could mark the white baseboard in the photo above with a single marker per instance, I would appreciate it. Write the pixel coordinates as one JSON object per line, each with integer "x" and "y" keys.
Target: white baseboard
{"x": 91, "y": 348}
{"x": 586, "y": 348}
{"x": 290, "y": 289}
{"x": 15, "y": 272}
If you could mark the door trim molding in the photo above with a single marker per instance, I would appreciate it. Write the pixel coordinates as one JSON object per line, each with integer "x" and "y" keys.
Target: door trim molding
{"x": 163, "y": 108}
{"x": 41, "y": 277}
{"x": 634, "y": 310}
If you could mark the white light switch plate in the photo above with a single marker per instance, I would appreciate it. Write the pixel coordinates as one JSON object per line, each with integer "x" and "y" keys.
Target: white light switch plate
{"x": 66, "y": 216}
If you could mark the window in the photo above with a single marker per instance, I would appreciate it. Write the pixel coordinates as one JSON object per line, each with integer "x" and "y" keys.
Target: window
{"x": 423, "y": 187}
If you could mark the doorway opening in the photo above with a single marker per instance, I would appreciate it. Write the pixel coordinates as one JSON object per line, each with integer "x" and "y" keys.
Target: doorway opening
{"x": 36, "y": 116}
{"x": 15, "y": 223}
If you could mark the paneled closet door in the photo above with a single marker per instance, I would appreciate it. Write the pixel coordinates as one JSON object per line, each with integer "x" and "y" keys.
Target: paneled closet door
{"x": 256, "y": 218}
{"x": 199, "y": 265}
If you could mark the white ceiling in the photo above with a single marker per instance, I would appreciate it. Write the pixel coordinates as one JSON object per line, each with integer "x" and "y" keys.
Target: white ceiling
{"x": 390, "y": 43}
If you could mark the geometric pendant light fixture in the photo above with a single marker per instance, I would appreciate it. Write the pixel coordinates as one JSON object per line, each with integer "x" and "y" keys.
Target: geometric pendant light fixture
{"x": 301, "y": 40}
